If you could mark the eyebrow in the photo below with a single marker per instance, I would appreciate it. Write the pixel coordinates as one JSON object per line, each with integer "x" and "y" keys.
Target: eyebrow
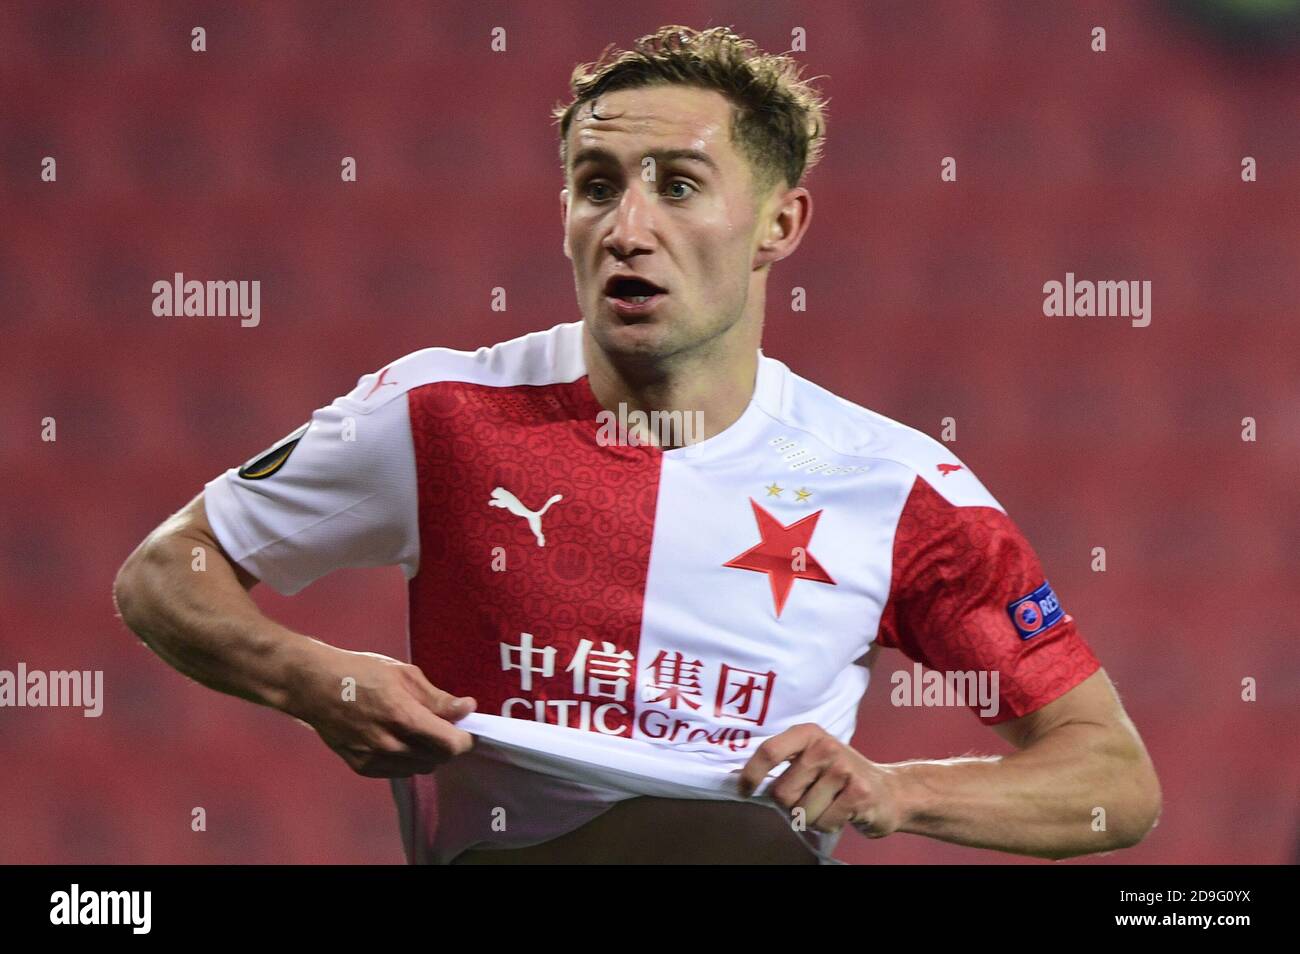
{"x": 597, "y": 154}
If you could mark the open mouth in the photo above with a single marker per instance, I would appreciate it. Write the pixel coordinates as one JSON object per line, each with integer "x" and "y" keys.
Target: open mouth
{"x": 634, "y": 291}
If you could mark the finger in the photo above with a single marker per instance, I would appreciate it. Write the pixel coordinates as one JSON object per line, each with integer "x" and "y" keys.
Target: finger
{"x": 398, "y": 750}
{"x": 773, "y": 752}
{"x": 422, "y": 730}
{"x": 376, "y": 757}
{"x": 840, "y": 812}
{"x": 820, "y": 797}
{"x": 791, "y": 784}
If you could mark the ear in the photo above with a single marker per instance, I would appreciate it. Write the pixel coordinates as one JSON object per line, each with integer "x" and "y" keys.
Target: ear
{"x": 564, "y": 219}
{"x": 785, "y": 219}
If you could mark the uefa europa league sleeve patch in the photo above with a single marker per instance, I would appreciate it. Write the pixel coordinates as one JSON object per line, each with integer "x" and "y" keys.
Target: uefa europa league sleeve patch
{"x": 1036, "y": 612}
{"x": 269, "y": 461}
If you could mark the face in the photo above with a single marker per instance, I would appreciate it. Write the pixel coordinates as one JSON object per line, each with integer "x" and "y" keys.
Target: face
{"x": 657, "y": 193}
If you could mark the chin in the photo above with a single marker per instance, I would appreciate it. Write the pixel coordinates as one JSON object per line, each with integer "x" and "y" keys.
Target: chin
{"x": 648, "y": 337}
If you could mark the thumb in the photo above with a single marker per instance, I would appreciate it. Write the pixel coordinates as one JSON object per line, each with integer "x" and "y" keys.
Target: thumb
{"x": 442, "y": 703}
{"x": 461, "y": 707}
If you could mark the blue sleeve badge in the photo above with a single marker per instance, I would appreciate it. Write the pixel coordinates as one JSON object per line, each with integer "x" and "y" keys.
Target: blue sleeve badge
{"x": 1036, "y": 612}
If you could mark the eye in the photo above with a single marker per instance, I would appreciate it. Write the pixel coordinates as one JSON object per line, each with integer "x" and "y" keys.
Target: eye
{"x": 681, "y": 182}
{"x": 591, "y": 186}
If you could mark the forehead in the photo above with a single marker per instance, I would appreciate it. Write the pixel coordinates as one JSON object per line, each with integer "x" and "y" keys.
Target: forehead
{"x": 634, "y": 121}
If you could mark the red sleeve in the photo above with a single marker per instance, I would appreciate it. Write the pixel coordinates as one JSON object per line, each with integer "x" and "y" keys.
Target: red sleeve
{"x": 959, "y": 573}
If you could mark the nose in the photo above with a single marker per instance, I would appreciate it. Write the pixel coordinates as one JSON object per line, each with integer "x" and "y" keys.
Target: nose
{"x": 632, "y": 232}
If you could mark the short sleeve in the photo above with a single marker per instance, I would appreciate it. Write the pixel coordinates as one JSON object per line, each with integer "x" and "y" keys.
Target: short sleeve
{"x": 968, "y": 595}
{"x": 339, "y": 491}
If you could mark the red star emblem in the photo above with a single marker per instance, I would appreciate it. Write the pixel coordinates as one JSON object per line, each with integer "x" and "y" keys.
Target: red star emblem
{"x": 775, "y": 554}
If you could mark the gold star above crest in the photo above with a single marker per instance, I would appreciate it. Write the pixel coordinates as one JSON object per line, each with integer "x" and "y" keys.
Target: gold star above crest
{"x": 773, "y": 490}
{"x": 802, "y": 494}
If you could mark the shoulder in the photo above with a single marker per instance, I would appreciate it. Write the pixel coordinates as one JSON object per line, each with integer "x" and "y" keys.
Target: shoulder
{"x": 537, "y": 358}
{"x": 853, "y": 431}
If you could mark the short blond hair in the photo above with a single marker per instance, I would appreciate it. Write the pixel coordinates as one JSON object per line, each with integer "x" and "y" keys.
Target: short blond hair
{"x": 778, "y": 119}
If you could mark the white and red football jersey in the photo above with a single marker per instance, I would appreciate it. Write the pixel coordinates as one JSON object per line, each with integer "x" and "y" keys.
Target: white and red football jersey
{"x": 634, "y": 620}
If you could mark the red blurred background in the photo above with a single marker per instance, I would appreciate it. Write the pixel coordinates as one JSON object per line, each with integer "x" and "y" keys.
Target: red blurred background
{"x": 925, "y": 302}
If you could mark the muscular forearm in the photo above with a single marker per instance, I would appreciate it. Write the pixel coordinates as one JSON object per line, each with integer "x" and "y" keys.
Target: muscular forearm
{"x": 1041, "y": 800}
{"x": 203, "y": 623}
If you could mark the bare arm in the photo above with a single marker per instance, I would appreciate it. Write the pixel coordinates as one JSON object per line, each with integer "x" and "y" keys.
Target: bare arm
{"x": 203, "y": 623}
{"x": 1077, "y": 754}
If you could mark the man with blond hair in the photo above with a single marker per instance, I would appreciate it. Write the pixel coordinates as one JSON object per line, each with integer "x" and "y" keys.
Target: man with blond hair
{"x": 627, "y": 646}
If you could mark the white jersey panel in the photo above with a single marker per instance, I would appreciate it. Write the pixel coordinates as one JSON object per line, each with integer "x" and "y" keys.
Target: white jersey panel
{"x": 344, "y": 494}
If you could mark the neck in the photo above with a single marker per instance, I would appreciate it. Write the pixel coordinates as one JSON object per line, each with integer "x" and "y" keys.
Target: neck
{"x": 714, "y": 382}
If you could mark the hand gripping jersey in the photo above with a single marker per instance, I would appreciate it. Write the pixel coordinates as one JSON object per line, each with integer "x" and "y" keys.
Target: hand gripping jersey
{"x": 632, "y": 620}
